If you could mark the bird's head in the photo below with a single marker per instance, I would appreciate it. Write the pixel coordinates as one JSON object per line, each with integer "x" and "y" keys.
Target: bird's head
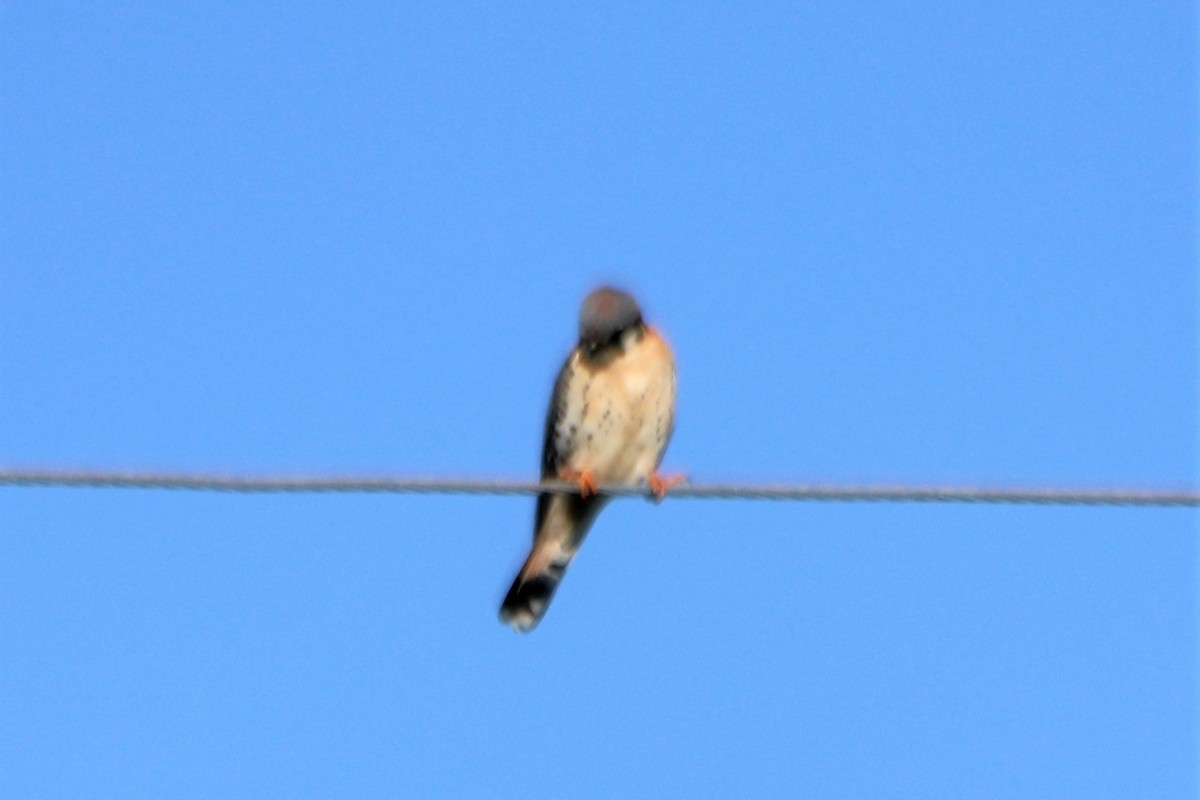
{"x": 607, "y": 314}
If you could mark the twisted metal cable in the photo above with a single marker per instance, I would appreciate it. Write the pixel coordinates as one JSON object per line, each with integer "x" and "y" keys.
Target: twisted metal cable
{"x": 709, "y": 491}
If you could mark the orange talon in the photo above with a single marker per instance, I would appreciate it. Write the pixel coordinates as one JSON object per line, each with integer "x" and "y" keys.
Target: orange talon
{"x": 660, "y": 485}
{"x": 586, "y": 480}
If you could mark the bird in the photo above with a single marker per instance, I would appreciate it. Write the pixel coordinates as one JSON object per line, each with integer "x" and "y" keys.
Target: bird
{"x": 611, "y": 416}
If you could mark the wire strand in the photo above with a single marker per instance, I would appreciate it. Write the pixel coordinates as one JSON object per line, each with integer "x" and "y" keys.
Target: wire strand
{"x": 709, "y": 491}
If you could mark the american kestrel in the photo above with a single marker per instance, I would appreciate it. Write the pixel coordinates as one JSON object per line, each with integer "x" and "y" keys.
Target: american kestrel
{"x": 611, "y": 415}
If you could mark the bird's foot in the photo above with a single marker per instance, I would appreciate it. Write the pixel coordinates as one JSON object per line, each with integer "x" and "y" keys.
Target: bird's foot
{"x": 660, "y": 484}
{"x": 585, "y": 480}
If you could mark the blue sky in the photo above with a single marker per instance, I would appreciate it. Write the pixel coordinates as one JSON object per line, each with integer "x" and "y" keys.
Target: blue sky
{"x": 894, "y": 243}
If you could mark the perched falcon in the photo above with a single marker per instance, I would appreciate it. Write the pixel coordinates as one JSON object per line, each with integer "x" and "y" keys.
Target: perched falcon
{"x": 611, "y": 416}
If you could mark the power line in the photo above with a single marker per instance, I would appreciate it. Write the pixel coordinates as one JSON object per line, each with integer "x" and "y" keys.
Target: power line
{"x": 708, "y": 491}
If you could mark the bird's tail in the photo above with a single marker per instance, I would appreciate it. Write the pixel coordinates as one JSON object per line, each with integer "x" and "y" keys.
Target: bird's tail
{"x": 562, "y": 522}
{"x": 530, "y": 593}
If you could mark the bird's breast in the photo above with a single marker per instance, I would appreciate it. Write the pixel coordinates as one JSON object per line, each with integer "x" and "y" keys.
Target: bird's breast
{"x": 618, "y": 416}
